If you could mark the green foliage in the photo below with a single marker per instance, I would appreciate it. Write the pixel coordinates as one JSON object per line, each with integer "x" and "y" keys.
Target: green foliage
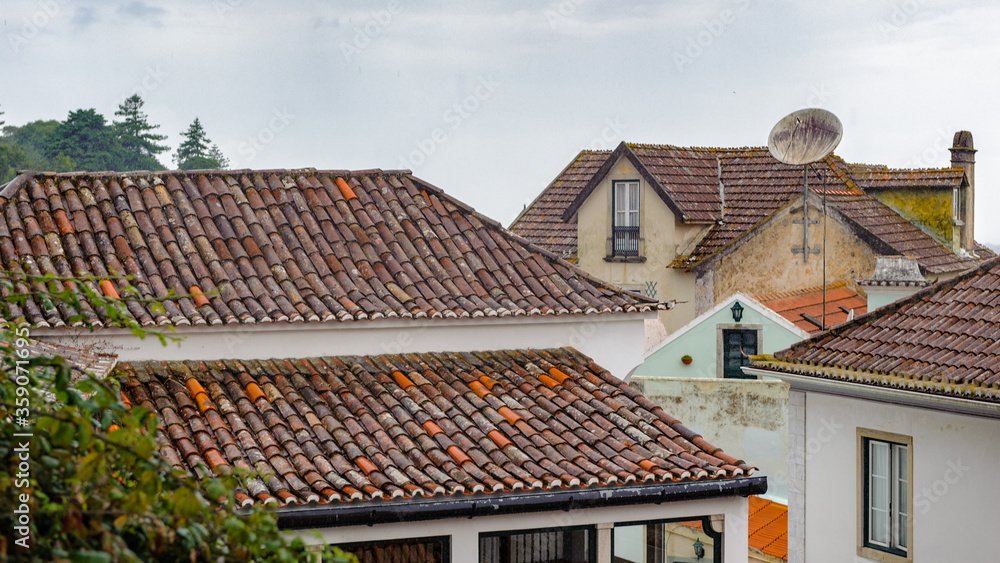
{"x": 29, "y": 140}
{"x": 136, "y": 136}
{"x": 95, "y": 487}
{"x": 86, "y": 138}
{"x": 197, "y": 152}
{"x": 12, "y": 159}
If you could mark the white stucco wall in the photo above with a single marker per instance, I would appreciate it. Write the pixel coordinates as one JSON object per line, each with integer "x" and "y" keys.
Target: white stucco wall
{"x": 464, "y": 532}
{"x": 614, "y": 341}
{"x": 955, "y": 502}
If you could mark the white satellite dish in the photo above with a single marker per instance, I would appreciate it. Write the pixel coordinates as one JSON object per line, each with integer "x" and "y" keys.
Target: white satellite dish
{"x": 805, "y": 136}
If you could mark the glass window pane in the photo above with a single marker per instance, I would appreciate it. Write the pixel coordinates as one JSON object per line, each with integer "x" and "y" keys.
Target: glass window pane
{"x": 902, "y": 509}
{"x": 878, "y": 492}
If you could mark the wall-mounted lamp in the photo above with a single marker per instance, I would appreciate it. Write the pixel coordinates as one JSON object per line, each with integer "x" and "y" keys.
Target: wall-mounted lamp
{"x": 737, "y": 310}
{"x": 699, "y": 548}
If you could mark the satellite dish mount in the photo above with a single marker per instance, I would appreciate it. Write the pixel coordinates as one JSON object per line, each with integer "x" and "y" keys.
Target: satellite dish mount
{"x": 800, "y": 139}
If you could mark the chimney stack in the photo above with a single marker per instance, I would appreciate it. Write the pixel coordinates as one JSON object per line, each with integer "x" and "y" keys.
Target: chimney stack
{"x": 963, "y": 155}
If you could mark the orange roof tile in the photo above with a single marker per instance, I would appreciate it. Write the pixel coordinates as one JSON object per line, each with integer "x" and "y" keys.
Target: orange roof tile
{"x": 797, "y": 305}
{"x": 768, "y": 527}
{"x": 342, "y": 429}
{"x": 282, "y": 245}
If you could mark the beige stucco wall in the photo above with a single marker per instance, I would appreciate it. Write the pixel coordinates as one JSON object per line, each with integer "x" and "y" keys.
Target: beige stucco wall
{"x": 662, "y": 237}
{"x": 764, "y": 262}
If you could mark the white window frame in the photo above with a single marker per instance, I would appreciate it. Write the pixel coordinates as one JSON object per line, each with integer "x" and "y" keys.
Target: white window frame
{"x": 630, "y": 213}
{"x": 896, "y": 496}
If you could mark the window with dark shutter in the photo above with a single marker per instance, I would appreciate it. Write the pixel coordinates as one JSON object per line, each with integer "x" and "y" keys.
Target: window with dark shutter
{"x": 737, "y": 347}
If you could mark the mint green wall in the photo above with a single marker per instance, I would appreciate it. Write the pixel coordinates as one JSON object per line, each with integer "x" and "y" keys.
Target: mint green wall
{"x": 700, "y": 343}
{"x": 878, "y": 299}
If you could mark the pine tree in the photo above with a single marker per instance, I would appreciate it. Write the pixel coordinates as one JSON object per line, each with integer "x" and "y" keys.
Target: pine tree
{"x": 195, "y": 144}
{"x": 136, "y": 136}
{"x": 86, "y": 138}
{"x": 215, "y": 154}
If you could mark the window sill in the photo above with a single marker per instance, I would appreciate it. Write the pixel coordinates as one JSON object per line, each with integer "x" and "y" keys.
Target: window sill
{"x": 629, "y": 259}
{"x": 882, "y": 556}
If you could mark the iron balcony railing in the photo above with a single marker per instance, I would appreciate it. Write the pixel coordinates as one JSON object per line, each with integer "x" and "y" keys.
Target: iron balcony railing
{"x": 626, "y": 241}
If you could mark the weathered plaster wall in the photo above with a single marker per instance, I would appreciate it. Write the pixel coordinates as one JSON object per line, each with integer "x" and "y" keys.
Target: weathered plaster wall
{"x": 955, "y": 506}
{"x": 748, "y": 419}
{"x": 764, "y": 263}
{"x": 662, "y": 235}
{"x": 929, "y": 209}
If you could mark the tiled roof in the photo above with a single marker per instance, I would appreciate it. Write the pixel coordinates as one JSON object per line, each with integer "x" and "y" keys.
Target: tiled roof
{"x": 79, "y": 361}
{"x": 876, "y": 177}
{"x": 755, "y": 186}
{"x": 944, "y": 339}
{"x": 798, "y": 306}
{"x": 248, "y": 247}
{"x": 342, "y": 429}
{"x": 541, "y": 222}
{"x": 768, "y": 527}
{"x": 689, "y": 176}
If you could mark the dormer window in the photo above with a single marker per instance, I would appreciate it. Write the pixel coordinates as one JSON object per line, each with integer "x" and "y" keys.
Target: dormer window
{"x": 625, "y": 218}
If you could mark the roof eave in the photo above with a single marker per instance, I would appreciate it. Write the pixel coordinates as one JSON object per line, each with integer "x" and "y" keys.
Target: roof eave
{"x": 943, "y": 403}
{"x": 368, "y": 514}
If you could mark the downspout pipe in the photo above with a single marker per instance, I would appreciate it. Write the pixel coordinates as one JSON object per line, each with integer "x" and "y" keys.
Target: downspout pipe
{"x": 387, "y": 512}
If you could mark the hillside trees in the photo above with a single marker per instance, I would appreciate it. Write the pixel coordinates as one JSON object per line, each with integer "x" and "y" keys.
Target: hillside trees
{"x": 82, "y": 478}
{"x": 85, "y": 140}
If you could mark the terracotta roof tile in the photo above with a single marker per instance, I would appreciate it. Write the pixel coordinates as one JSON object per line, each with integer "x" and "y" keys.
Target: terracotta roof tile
{"x": 944, "y": 339}
{"x": 541, "y": 222}
{"x": 768, "y": 527}
{"x": 803, "y": 306}
{"x": 397, "y": 426}
{"x": 755, "y": 186}
{"x": 246, "y": 247}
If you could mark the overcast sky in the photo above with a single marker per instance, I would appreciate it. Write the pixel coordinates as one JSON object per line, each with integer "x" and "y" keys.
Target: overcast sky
{"x": 490, "y": 100}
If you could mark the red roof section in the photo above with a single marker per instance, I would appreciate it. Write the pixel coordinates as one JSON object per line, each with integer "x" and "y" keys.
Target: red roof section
{"x": 247, "y": 247}
{"x": 944, "y": 339}
{"x": 755, "y": 186}
{"x": 353, "y": 428}
{"x": 797, "y": 305}
{"x": 768, "y": 527}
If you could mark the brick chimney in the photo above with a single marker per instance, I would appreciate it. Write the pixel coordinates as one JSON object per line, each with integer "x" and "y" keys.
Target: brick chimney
{"x": 963, "y": 155}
